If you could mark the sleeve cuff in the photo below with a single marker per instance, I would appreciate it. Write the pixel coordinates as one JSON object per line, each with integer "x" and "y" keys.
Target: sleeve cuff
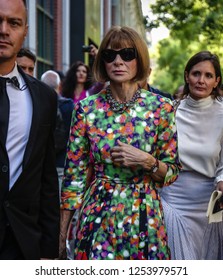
{"x": 218, "y": 179}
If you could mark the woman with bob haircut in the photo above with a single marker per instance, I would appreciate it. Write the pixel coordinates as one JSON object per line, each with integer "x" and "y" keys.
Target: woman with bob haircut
{"x": 200, "y": 138}
{"x": 131, "y": 135}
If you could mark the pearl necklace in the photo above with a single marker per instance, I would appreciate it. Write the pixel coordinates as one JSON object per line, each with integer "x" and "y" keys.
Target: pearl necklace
{"x": 120, "y": 107}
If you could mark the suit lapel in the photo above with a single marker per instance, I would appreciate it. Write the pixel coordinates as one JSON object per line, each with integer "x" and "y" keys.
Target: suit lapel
{"x": 4, "y": 116}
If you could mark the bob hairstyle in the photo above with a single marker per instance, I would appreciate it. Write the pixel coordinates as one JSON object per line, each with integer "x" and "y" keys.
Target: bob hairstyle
{"x": 199, "y": 57}
{"x": 118, "y": 38}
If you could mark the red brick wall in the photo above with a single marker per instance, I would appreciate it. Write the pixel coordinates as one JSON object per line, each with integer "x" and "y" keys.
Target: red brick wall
{"x": 58, "y": 35}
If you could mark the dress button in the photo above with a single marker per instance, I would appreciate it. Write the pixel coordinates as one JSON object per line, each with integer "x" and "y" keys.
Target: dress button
{"x": 5, "y": 168}
{"x": 142, "y": 235}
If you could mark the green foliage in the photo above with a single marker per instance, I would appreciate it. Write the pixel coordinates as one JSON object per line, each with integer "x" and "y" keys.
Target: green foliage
{"x": 194, "y": 25}
{"x": 170, "y": 65}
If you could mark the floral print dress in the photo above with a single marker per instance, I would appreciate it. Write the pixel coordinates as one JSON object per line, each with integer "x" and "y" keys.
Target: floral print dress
{"x": 121, "y": 215}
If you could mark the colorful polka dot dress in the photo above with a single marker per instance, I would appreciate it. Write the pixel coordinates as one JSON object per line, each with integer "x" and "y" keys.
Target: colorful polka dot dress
{"x": 121, "y": 216}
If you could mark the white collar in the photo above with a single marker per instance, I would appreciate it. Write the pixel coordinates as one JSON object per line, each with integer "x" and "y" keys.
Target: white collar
{"x": 201, "y": 103}
{"x": 14, "y": 72}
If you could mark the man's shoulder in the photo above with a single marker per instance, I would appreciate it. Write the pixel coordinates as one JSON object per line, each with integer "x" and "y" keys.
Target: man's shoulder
{"x": 64, "y": 100}
{"x": 65, "y": 104}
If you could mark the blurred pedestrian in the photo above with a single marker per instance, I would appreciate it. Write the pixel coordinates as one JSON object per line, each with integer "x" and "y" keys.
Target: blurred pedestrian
{"x": 77, "y": 81}
{"x": 29, "y": 199}
{"x": 178, "y": 94}
{"x": 26, "y": 60}
{"x": 65, "y": 109}
{"x": 52, "y": 79}
{"x": 62, "y": 77}
{"x": 132, "y": 137}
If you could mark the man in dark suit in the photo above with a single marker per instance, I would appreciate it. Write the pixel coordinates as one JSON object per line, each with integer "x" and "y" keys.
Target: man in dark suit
{"x": 29, "y": 196}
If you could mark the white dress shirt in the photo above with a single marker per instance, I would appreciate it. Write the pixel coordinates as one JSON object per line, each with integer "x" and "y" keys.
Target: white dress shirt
{"x": 20, "y": 117}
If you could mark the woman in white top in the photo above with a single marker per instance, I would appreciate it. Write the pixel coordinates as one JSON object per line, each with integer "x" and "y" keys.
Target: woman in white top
{"x": 199, "y": 119}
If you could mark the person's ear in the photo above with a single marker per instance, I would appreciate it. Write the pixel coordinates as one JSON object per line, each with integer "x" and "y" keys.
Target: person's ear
{"x": 217, "y": 81}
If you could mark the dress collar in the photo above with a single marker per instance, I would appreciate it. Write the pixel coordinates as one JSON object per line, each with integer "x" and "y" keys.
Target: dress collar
{"x": 201, "y": 103}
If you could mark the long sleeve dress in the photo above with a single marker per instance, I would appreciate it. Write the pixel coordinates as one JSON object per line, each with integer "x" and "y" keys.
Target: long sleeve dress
{"x": 185, "y": 202}
{"x": 120, "y": 213}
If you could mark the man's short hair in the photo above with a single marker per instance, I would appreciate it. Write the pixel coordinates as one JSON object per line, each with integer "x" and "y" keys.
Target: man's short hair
{"x": 51, "y": 78}
{"x": 26, "y": 52}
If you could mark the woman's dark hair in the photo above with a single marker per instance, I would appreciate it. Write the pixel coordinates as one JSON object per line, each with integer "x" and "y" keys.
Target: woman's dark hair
{"x": 70, "y": 81}
{"x": 197, "y": 58}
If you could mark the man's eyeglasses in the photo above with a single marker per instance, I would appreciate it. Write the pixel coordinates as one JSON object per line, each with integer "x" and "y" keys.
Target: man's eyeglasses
{"x": 126, "y": 54}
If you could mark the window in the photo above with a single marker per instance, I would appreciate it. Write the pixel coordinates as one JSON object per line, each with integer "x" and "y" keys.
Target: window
{"x": 45, "y": 40}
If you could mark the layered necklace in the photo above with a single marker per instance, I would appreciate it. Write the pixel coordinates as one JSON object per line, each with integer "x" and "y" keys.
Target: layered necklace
{"x": 120, "y": 107}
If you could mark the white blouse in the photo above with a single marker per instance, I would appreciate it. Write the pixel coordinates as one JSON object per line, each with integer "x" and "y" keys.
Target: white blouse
{"x": 200, "y": 136}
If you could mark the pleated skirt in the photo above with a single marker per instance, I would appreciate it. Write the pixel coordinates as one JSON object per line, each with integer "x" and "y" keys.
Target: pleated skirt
{"x": 185, "y": 202}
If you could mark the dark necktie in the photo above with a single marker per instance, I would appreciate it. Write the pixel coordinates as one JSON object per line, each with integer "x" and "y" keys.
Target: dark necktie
{"x": 15, "y": 83}
{"x": 4, "y": 109}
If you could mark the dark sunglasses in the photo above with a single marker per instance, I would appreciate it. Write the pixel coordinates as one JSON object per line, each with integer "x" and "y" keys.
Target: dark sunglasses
{"x": 126, "y": 54}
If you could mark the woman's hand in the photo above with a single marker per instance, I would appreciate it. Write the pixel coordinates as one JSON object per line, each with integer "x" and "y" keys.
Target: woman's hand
{"x": 129, "y": 156}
